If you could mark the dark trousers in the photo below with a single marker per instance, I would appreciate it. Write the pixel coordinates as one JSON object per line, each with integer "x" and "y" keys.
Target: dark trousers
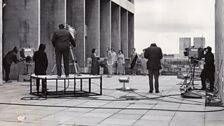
{"x": 207, "y": 75}
{"x": 38, "y": 85}
{"x": 7, "y": 71}
{"x": 65, "y": 55}
{"x": 153, "y": 73}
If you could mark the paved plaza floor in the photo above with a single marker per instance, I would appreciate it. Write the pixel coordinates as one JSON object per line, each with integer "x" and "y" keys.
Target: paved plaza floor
{"x": 113, "y": 108}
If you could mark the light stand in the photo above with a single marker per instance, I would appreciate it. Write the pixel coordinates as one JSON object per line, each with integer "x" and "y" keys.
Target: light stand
{"x": 124, "y": 80}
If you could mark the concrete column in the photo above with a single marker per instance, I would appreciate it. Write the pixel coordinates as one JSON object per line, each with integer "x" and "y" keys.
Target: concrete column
{"x": 130, "y": 32}
{"x": 76, "y": 18}
{"x": 52, "y": 14}
{"x": 124, "y": 32}
{"x": 116, "y": 27}
{"x": 92, "y": 26}
{"x": 105, "y": 26}
{"x": 1, "y": 73}
{"x": 20, "y": 21}
{"x": 219, "y": 45}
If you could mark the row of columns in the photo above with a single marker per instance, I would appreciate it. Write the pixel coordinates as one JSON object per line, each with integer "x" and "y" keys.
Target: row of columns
{"x": 99, "y": 24}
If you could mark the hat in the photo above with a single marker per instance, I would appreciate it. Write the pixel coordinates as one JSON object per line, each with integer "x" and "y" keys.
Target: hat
{"x": 61, "y": 26}
{"x": 42, "y": 47}
{"x": 209, "y": 48}
{"x": 153, "y": 44}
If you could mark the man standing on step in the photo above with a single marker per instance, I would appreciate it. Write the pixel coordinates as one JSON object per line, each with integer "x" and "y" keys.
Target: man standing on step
{"x": 61, "y": 41}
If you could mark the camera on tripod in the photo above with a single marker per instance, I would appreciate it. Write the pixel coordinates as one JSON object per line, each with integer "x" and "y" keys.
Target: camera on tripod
{"x": 27, "y": 54}
{"x": 194, "y": 53}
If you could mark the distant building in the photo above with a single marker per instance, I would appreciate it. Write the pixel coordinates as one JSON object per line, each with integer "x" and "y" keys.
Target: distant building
{"x": 184, "y": 43}
{"x": 199, "y": 42}
{"x": 168, "y": 56}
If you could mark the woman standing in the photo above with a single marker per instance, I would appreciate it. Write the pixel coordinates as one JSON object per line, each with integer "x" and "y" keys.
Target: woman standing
{"x": 95, "y": 64}
{"x": 109, "y": 62}
{"x": 120, "y": 62}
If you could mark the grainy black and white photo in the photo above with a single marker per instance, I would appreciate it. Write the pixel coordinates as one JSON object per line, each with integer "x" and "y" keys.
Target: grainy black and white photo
{"x": 112, "y": 63}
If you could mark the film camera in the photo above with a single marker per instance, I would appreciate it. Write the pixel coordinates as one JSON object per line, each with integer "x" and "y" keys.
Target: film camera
{"x": 27, "y": 54}
{"x": 194, "y": 53}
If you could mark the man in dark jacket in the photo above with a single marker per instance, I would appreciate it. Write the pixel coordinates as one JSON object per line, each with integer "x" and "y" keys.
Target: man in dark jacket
{"x": 61, "y": 41}
{"x": 41, "y": 63}
{"x": 9, "y": 58}
{"x": 154, "y": 55}
{"x": 208, "y": 73}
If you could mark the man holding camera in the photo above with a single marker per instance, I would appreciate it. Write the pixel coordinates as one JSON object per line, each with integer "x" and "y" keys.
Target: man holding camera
{"x": 9, "y": 58}
{"x": 208, "y": 73}
{"x": 61, "y": 41}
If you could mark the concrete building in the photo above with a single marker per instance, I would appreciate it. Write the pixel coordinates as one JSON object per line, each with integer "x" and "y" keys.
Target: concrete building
{"x": 199, "y": 42}
{"x": 184, "y": 43}
{"x": 219, "y": 46}
{"x": 99, "y": 24}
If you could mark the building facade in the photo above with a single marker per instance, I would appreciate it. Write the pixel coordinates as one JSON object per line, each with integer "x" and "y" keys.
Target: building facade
{"x": 99, "y": 24}
{"x": 183, "y": 44}
{"x": 219, "y": 46}
{"x": 199, "y": 42}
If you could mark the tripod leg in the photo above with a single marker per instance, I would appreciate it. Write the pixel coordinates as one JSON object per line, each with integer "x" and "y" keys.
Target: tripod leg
{"x": 76, "y": 70}
{"x": 73, "y": 60}
{"x": 62, "y": 68}
{"x": 52, "y": 71}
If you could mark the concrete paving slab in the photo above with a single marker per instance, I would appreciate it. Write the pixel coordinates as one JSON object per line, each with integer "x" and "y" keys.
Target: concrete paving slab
{"x": 111, "y": 109}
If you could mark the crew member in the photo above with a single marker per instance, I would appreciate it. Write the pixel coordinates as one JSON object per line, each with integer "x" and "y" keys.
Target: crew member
{"x": 9, "y": 58}
{"x": 41, "y": 63}
{"x": 95, "y": 68}
{"x": 154, "y": 55}
{"x": 61, "y": 41}
{"x": 134, "y": 57}
{"x": 208, "y": 73}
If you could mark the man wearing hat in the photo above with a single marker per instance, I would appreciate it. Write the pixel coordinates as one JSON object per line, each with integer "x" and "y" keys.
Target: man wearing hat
{"x": 61, "y": 41}
{"x": 208, "y": 73}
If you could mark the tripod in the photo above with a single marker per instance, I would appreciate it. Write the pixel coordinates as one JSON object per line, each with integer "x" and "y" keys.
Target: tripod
{"x": 74, "y": 63}
{"x": 188, "y": 87}
{"x": 194, "y": 62}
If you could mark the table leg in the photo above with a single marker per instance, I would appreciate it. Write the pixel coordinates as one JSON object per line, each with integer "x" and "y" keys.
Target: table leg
{"x": 101, "y": 86}
{"x": 81, "y": 84}
{"x": 45, "y": 87}
{"x": 56, "y": 85}
{"x": 64, "y": 85}
{"x": 89, "y": 85}
{"x": 31, "y": 84}
{"x": 74, "y": 86}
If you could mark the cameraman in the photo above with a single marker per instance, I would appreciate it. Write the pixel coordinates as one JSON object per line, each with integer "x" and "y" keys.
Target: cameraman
{"x": 61, "y": 41}
{"x": 208, "y": 73}
{"x": 10, "y": 57}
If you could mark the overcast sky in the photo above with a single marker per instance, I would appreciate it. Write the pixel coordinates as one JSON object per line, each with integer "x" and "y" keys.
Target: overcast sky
{"x": 165, "y": 21}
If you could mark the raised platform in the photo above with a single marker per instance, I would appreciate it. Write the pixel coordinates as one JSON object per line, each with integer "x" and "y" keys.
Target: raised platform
{"x": 44, "y": 79}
